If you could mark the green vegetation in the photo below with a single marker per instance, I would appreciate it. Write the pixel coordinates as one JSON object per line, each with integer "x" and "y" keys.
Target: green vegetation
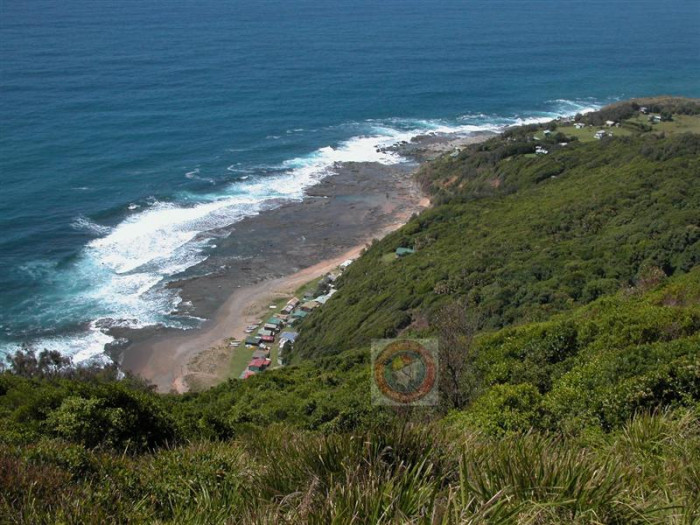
{"x": 644, "y": 473}
{"x": 240, "y": 358}
{"x": 518, "y": 239}
{"x": 565, "y": 291}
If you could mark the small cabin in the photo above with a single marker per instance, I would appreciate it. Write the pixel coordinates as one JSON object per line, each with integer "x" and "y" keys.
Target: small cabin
{"x": 247, "y": 373}
{"x": 258, "y": 365}
{"x": 309, "y": 306}
{"x": 261, "y": 354}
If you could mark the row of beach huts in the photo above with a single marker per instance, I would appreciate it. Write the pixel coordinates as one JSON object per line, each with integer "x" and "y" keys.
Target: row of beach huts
{"x": 279, "y": 328}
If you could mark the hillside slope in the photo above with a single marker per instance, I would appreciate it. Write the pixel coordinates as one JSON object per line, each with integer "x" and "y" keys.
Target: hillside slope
{"x": 552, "y": 232}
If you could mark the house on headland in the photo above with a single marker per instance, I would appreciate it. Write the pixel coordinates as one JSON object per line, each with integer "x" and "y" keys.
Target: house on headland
{"x": 401, "y": 251}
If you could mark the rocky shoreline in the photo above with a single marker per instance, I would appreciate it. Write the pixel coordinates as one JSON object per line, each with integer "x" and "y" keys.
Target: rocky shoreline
{"x": 346, "y": 210}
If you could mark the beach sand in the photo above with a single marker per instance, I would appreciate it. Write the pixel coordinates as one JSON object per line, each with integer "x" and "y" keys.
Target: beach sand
{"x": 269, "y": 256}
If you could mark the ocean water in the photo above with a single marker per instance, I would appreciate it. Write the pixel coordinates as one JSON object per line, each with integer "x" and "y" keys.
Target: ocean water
{"x": 129, "y": 129}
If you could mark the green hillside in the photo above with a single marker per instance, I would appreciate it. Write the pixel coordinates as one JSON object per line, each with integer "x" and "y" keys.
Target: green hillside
{"x": 560, "y": 231}
{"x": 565, "y": 291}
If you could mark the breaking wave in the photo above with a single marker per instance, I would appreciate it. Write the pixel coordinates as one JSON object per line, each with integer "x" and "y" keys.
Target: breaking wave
{"x": 120, "y": 275}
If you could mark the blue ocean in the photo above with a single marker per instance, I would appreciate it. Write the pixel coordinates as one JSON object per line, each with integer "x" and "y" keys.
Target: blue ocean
{"x": 130, "y": 129}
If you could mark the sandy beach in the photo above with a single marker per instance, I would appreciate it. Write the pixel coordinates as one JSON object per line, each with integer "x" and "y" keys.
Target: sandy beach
{"x": 208, "y": 345}
{"x": 269, "y": 256}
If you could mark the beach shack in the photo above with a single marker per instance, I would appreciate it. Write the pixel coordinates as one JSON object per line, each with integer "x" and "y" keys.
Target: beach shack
{"x": 346, "y": 263}
{"x": 264, "y": 332}
{"x": 401, "y": 251}
{"x": 309, "y": 306}
{"x": 261, "y": 354}
{"x": 246, "y": 374}
{"x": 291, "y": 305}
{"x": 271, "y": 327}
{"x": 258, "y": 365}
{"x": 289, "y": 336}
{"x": 321, "y": 299}
{"x": 274, "y": 321}
{"x": 253, "y": 340}
{"x": 268, "y": 338}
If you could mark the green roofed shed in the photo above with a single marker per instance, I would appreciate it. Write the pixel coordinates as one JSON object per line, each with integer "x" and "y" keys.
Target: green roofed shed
{"x": 274, "y": 320}
{"x": 400, "y": 252}
{"x": 300, "y": 314}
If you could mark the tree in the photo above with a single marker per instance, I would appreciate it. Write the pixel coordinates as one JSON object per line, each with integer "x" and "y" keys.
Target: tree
{"x": 50, "y": 363}
{"x": 459, "y": 377}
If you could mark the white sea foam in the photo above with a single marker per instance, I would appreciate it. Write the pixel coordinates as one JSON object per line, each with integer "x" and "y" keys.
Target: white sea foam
{"x": 122, "y": 272}
{"x": 84, "y": 224}
{"x": 80, "y": 347}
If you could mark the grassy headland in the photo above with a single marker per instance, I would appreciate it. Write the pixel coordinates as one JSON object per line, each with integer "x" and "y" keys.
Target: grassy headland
{"x": 565, "y": 290}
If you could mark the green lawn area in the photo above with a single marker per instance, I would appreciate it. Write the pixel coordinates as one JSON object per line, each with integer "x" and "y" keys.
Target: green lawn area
{"x": 587, "y": 134}
{"x": 679, "y": 124}
{"x": 239, "y": 360}
{"x": 275, "y": 352}
{"x": 308, "y": 287}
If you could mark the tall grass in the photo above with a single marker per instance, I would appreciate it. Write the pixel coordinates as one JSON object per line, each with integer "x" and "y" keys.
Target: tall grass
{"x": 646, "y": 473}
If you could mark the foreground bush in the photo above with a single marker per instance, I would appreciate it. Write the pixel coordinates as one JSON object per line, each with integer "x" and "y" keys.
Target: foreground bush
{"x": 645, "y": 473}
